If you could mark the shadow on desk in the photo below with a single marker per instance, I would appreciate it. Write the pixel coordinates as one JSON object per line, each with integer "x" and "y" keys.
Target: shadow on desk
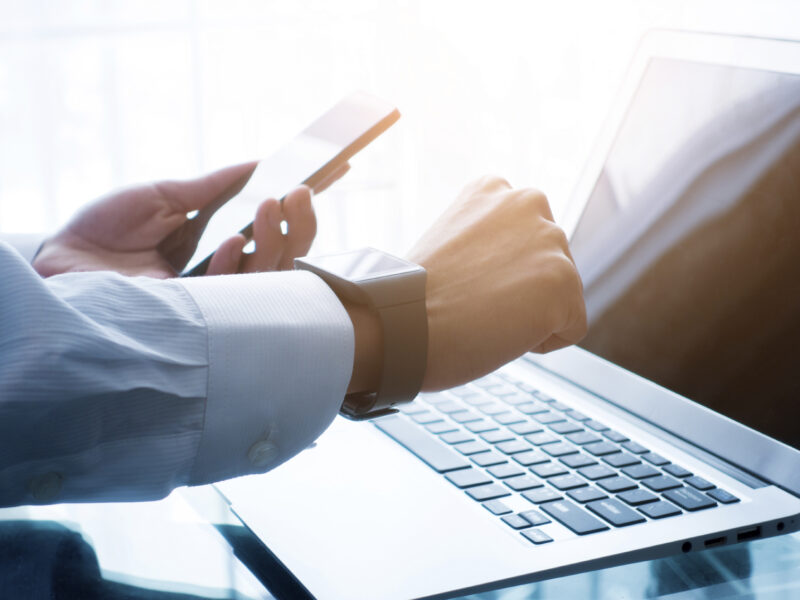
{"x": 44, "y": 559}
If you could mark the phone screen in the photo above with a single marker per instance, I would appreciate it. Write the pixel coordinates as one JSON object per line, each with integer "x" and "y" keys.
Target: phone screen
{"x": 308, "y": 159}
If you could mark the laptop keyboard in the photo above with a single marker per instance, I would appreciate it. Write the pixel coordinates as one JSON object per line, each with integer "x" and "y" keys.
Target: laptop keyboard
{"x": 499, "y": 437}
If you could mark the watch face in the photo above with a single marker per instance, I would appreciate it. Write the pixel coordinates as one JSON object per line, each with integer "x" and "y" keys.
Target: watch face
{"x": 363, "y": 264}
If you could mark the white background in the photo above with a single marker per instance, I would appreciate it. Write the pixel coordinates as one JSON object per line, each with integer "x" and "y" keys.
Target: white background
{"x": 96, "y": 94}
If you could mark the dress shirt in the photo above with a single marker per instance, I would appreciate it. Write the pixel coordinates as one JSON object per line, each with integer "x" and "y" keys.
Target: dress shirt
{"x": 122, "y": 388}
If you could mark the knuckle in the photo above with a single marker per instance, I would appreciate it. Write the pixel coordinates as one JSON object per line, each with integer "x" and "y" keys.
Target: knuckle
{"x": 493, "y": 182}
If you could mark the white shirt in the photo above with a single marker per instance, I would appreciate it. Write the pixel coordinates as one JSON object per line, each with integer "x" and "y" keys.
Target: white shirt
{"x": 119, "y": 388}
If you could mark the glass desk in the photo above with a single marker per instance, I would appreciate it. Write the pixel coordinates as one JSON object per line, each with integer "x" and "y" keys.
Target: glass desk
{"x": 190, "y": 546}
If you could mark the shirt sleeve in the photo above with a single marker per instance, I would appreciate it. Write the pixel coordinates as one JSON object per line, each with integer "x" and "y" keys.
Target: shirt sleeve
{"x": 118, "y": 388}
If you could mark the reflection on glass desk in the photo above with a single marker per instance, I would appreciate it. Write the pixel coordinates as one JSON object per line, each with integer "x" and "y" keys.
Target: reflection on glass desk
{"x": 190, "y": 546}
{"x": 161, "y": 550}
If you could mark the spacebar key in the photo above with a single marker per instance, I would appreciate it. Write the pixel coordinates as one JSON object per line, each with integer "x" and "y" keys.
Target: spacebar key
{"x": 573, "y": 516}
{"x": 420, "y": 442}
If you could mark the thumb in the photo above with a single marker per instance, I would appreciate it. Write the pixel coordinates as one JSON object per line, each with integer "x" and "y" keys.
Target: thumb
{"x": 208, "y": 191}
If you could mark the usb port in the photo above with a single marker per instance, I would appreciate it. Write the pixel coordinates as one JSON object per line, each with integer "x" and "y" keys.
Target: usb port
{"x": 748, "y": 534}
{"x": 717, "y": 541}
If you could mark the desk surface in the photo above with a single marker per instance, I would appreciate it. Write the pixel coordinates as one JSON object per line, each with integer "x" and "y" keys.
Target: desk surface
{"x": 174, "y": 549}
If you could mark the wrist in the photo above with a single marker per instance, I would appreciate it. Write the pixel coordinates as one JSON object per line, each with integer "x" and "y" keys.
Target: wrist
{"x": 367, "y": 363}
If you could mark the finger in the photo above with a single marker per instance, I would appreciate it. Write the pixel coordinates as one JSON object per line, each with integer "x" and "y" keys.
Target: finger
{"x": 227, "y": 257}
{"x": 332, "y": 178}
{"x": 302, "y": 225}
{"x": 210, "y": 190}
{"x": 554, "y": 342}
{"x": 268, "y": 238}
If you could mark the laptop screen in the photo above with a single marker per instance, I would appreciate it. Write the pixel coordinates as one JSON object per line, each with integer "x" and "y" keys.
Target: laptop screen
{"x": 689, "y": 245}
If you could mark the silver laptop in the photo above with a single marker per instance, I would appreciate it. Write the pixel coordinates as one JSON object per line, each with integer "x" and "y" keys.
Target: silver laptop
{"x": 675, "y": 428}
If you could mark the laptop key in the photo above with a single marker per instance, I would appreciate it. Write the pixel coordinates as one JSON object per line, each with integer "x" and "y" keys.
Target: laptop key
{"x": 689, "y": 499}
{"x": 584, "y": 437}
{"x": 546, "y": 418}
{"x": 655, "y": 459}
{"x": 634, "y": 447}
{"x": 640, "y": 471}
{"x": 465, "y": 416}
{"x": 533, "y": 408}
{"x": 497, "y": 435}
{"x": 586, "y": 494}
{"x": 465, "y": 478}
{"x": 661, "y": 483}
{"x": 449, "y": 407}
{"x": 534, "y": 517}
{"x": 478, "y": 400}
{"x": 412, "y": 408}
{"x": 525, "y": 428}
{"x": 496, "y": 507}
{"x": 537, "y": 536}
{"x": 595, "y": 472}
{"x": 456, "y": 437}
{"x": 441, "y": 427}
{"x": 573, "y": 517}
{"x": 541, "y": 495}
{"x": 522, "y": 483}
{"x": 576, "y": 461}
{"x": 559, "y": 449}
{"x": 488, "y": 459}
{"x": 426, "y": 417}
{"x": 596, "y": 425}
{"x": 531, "y": 457}
{"x": 660, "y": 509}
{"x": 566, "y": 482}
{"x": 615, "y": 436}
{"x": 723, "y": 496}
{"x": 577, "y": 415}
{"x": 549, "y": 469}
{"x": 480, "y": 426}
{"x": 700, "y": 483}
{"x": 429, "y": 449}
{"x": 677, "y": 471}
{"x": 513, "y": 446}
{"x": 541, "y": 438}
{"x": 516, "y": 522}
{"x": 621, "y": 459}
{"x": 615, "y": 512}
{"x": 495, "y": 408}
{"x": 616, "y": 484}
{"x": 505, "y": 470}
{"x": 509, "y": 418}
{"x": 470, "y": 448}
{"x": 601, "y": 448}
{"x": 487, "y": 492}
{"x": 564, "y": 427}
{"x": 558, "y": 405}
{"x": 637, "y": 497}
{"x": 516, "y": 399}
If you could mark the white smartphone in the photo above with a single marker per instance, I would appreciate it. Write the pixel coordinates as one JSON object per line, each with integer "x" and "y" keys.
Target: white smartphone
{"x": 312, "y": 156}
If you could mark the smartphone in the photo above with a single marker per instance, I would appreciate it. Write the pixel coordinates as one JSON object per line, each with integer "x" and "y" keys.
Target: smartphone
{"x": 317, "y": 152}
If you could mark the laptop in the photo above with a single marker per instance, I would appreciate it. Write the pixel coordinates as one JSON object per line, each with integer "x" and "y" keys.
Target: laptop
{"x": 675, "y": 427}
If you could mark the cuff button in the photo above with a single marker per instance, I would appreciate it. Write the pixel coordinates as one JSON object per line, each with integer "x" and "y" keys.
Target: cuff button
{"x": 46, "y": 487}
{"x": 262, "y": 453}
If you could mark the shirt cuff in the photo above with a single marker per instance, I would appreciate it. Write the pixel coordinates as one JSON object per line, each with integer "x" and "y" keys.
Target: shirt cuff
{"x": 26, "y": 244}
{"x": 280, "y": 348}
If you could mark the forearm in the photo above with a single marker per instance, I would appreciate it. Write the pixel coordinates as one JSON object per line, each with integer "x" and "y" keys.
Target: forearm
{"x": 124, "y": 388}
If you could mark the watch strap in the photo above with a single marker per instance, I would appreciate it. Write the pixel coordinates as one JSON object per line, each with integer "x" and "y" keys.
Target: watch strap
{"x": 405, "y": 356}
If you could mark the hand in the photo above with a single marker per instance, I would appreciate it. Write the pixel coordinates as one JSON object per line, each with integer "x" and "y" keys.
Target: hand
{"x": 144, "y": 230}
{"x": 501, "y": 282}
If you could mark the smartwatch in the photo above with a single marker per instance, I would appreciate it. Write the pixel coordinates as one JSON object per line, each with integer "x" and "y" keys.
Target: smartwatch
{"x": 395, "y": 290}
